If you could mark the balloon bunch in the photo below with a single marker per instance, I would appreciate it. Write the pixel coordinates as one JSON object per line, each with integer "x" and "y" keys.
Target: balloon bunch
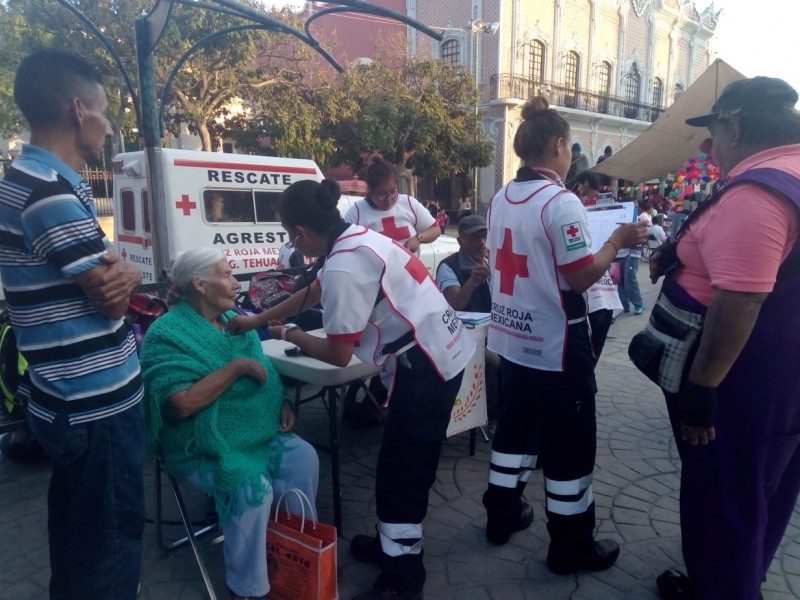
{"x": 697, "y": 170}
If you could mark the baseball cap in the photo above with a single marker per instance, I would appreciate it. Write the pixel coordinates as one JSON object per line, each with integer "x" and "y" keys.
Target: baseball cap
{"x": 471, "y": 224}
{"x": 755, "y": 95}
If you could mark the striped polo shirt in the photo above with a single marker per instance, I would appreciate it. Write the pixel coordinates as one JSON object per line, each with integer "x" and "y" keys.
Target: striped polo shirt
{"x": 79, "y": 360}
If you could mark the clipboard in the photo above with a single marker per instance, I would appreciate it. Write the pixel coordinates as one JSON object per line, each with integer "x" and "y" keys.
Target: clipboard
{"x": 603, "y": 219}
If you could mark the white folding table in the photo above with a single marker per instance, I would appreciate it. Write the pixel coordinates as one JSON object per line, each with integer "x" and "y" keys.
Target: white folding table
{"x": 334, "y": 381}
{"x": 469, "y": 411}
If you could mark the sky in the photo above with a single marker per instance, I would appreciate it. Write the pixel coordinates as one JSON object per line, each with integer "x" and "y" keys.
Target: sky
{"x": 754, "y": 37}
{"x": 758, "y": 38}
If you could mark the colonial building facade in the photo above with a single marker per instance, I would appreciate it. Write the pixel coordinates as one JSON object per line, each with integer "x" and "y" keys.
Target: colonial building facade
{"x": 610, "y": 66}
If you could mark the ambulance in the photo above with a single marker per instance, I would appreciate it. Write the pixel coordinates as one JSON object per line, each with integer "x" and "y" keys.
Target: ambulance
{"x": 225, "y": 201}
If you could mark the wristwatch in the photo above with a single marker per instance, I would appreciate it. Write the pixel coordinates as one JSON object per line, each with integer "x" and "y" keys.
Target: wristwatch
{"x": 287, "y": 328}
{"x": 420, "y": 238}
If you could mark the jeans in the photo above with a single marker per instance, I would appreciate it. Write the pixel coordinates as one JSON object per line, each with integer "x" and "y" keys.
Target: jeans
{"x": 245, "y": 548}
{"x": 95, "y": 504}
{"x": 675, "y": 222}
{"x": 629, "y": 288}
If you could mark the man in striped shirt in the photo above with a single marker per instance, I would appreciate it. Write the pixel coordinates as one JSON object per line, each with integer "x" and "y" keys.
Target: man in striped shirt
{"x": 67, "y": 293}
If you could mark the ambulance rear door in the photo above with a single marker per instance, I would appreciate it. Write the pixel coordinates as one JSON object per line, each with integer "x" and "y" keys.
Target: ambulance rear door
{"x": 132, "y": 224}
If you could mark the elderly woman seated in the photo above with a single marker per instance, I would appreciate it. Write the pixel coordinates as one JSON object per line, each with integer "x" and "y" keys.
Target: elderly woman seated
{"x": 215, "y": 406}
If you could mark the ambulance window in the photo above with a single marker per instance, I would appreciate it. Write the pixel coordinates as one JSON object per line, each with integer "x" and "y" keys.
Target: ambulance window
{"x": 145, "y": 212}
{"x": 266, "y": 207}
{"x": 228, "y": 206}
{"x": 128, "y": 211}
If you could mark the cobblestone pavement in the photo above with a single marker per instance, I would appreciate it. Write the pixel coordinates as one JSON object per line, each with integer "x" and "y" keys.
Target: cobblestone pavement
{"x": 636, "y": 491}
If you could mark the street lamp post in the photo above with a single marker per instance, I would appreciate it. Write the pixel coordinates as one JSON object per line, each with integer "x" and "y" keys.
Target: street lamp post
{"x": 477, "y": 26}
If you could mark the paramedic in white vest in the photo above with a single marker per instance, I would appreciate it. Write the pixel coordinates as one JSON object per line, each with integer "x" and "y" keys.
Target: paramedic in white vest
{"x": 603, "y": 297}
{"x": 541, "y": 262}
{"x": 397, "y": 216}
{"x": 380, "y": 304}
{"x": 402, "y": 218}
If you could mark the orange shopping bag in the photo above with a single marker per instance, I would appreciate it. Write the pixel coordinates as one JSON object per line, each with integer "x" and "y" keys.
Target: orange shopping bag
{"x": 301, "y": 554}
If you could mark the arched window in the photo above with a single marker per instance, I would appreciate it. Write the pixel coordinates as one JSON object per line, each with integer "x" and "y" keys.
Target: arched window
{"x": 658, "y": 92}
{"x": 603, "y": 86}
{"x": 451, "y": 52}
{"x": 631, "y": 88}
{"x": 572, "y": 79}
{"x": 534, "y": 61}
{"x": 677, "y": 92}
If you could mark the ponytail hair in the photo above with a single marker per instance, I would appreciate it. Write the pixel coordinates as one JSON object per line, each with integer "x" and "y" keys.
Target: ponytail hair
{"x": 540, "y": 125}
{"x": 311, "y": 204}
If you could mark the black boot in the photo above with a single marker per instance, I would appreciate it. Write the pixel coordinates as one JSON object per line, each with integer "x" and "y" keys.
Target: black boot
{"x": 366, "y": 549}
{"x": 382, "y": 590}
{"x": 499, "y": 527}
{"x": 674, "y": 585}
{"x": 595, "y": 556}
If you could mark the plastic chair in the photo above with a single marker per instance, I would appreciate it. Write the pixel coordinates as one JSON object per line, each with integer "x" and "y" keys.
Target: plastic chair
{"x": 191, "y": 534}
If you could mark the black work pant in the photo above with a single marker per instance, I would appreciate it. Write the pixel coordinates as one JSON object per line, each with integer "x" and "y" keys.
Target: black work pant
{"x": 549, "y": 415}
{"x": 416, "y": 425}
{"x": 601, "y": 321}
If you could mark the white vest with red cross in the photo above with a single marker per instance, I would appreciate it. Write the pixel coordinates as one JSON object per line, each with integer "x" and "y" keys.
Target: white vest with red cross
{"x": 535, "y": 227}
{"x": 410, "y": 299}
{"x": 403, "y": 221}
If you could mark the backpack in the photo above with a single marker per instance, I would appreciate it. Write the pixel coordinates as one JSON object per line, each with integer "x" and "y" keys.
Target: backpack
{"x": 12, "y": 365}
{"x": 143, "y": 309}
{"x": 269, "y": 289}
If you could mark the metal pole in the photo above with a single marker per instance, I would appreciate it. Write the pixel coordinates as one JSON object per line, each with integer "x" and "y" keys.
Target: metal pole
{"x": 477, "y": 125}
{"x": 150, "y": 135}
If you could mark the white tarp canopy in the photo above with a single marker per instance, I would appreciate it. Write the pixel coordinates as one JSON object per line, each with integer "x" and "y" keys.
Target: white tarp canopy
{"x": 669, "y": 142}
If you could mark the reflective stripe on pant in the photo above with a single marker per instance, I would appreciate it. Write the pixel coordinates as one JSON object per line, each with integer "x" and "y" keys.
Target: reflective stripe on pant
{"x": 571, "y": 497}
{"x": 416, "y": 425}
{"x": 551, "y": 415}
{"x": 509, "y": 470}
{"x": 398, "y": 539}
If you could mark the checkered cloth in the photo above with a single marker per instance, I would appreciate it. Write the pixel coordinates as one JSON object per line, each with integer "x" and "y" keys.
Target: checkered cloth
{"x": 678, "y": 330}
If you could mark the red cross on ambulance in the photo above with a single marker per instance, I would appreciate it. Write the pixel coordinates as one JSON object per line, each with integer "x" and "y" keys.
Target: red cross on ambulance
{"x": 186, "y": 205}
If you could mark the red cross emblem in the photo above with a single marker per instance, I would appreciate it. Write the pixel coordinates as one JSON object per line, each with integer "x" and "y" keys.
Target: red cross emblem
{"x": 509, "y": 264}
{"x": 417, "y": 270}
{"x": 124, "y": 254}
{"x": 186, "y": 205}
{"x": 391, "y": 230}
{"x": 572, "y": 231}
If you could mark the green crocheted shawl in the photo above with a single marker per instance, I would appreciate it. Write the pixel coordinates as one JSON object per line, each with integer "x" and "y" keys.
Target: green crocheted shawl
{"x": 232, "y": 442}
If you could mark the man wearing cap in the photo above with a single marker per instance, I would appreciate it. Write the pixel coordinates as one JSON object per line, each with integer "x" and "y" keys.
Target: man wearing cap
{"x": 464, "y": 280}
{"x": 463, "y": 277}
{"x": 736, "y": 418}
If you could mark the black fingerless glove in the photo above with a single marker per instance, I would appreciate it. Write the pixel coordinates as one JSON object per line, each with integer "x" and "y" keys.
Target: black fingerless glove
{"x": 697, "y": 405}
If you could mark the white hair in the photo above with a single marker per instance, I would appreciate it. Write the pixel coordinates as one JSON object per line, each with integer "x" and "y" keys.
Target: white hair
{"x": 198, "y": 262}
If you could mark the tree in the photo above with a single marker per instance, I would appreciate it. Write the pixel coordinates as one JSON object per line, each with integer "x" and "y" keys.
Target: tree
{"x": 29, "y": 25}
{"x": 228, "y": 71}
{"x": 290, "y": 117}
{"x": 209, "y": 84}
{"x": 421, "y": 112}
{"x": 408, "y": 110}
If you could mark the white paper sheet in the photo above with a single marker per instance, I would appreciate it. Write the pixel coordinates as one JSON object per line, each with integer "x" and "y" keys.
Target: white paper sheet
{"x": 605, "y": 218}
